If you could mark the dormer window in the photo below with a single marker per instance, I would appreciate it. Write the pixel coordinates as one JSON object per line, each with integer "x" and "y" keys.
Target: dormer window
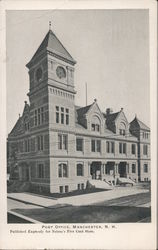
{"x": 95, "y": 125}
{"x": 122, "y": 132}
{"x": 122, "y": 129}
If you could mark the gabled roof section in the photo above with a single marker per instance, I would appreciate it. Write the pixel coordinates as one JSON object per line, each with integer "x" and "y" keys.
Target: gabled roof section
{"x": 82, "y": 111}
{"x": 111, "y": 117}
{"x": 139, "y": 124}
{"x": 16, "y": 127}
{"x": 52, "y": 43}
{"x": 26, "y": 108}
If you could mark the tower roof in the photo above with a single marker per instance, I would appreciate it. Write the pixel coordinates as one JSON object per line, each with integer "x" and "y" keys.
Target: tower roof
{"x": 136, "y": 122}
{"x": 51, "y": 43}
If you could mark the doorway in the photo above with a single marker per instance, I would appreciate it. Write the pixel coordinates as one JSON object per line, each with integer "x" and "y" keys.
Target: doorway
{"x": 95, "y": 170}
{"x": 122, "y": 169}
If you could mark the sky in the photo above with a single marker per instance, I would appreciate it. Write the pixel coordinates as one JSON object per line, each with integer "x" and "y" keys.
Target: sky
{"x": 111, "y": 48}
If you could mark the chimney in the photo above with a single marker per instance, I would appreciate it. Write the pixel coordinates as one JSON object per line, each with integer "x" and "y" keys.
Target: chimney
{"x": 109, "y": 111}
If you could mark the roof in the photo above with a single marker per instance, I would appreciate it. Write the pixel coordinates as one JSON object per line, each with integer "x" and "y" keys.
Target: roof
{"x": 52, "y": 43}
{"x": 111, "y": 117}
{"x": 16, "y": 127}
{"x": 140, "y": 124}
{"x": 82, "y": 111}
{"x": 26, "y": 108}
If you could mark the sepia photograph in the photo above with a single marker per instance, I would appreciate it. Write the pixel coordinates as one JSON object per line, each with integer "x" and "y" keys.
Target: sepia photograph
{"x": 79, "y": 119}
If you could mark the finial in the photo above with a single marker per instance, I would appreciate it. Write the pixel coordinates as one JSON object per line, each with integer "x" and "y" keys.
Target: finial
{"x": 19, "y": 115}
{"x": 25, "y": 102}
{"x": 121, "y": 109}
{"x": 50, "y": 25}
{"x": 135, "y": 115}
{"x": 95, "y": 100}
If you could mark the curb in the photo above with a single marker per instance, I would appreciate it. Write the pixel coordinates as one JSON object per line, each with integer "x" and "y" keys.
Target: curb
{"x": 24, "y": 217}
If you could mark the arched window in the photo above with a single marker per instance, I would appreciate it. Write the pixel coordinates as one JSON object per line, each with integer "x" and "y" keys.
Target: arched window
{"x": 122, "y": 129}
{"x": 79, "y": 169}
{"x": 95, "y": 124}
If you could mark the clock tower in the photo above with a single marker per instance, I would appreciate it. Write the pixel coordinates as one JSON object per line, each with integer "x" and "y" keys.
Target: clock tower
{"x": 51, "y": 73}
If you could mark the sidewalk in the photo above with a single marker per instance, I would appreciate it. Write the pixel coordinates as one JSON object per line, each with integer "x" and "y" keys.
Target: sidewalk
{"x": 32, "y": 199}
{"x": 80, "y": 200}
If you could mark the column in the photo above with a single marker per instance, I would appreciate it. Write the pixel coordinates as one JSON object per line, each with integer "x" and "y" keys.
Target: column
{"x": 89, "y": 168}
{"x": 127, "y": 170}
{"x": 116, "y": 173}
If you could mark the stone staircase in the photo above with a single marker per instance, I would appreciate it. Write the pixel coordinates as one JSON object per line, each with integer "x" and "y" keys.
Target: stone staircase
{"x": 125, "y": 181}
{"x": 100, "y": 184}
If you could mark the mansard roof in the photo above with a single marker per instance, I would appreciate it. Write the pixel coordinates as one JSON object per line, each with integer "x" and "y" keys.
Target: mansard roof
{"x": 51, "y": 43}
{"x": 139, "y": 124}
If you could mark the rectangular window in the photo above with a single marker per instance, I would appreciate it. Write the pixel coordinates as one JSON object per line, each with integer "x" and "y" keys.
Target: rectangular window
{"x": 133, "y": 149}
{"x": 62, "y": 170}
{"x": 93, "y": 145}
{"x": 93, "y": 127}
{"x": 133, "y": 168}
{"x": 40, "y": 142}
{"x": 35, "y": 117}
{"x": 62, "y": 141}
{"x": 145, "y": 149}
{"x": 65, "y": 142}
{"x": 122, "y": 131}
{"x": 66, "y": 189}
{"x": 39, "y": 116}
{"x": 108, "y": 147}
{"x": 42, "y": 115}
{"x": 97, "y": 127}
{"x": 79, "y": 144}
{"x": 98, "y": 145}
{"x": 57, "y": 114}
{"x": 67, "y": 116}
{"x": 80, "y": 169}
{"x": 62, "y": 118}
{"x": 40, "y": 171}
{"x": 62, "y": 115}
{"x": 59, "y": 141}
{"x": 112, "y": 147}
{"x": 122, "y": 148}
{"x": 61, "y": 189}
{"x": 145, "y": 168}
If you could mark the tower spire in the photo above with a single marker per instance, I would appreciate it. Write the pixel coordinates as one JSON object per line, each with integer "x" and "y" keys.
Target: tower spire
{"x": 50, "y": 25}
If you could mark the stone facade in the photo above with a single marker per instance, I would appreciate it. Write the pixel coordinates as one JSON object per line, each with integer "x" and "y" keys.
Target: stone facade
{"x": 58, "y": 146}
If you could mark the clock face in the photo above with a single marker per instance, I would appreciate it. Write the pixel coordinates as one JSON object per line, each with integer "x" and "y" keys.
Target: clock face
{"x": 60, "y": 71}
{"x": 39, "y": 74}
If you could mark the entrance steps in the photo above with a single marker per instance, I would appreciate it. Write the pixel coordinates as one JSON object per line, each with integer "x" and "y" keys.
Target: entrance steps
{"x": 125, "y": 181}
{"x": 100, "y": 184}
